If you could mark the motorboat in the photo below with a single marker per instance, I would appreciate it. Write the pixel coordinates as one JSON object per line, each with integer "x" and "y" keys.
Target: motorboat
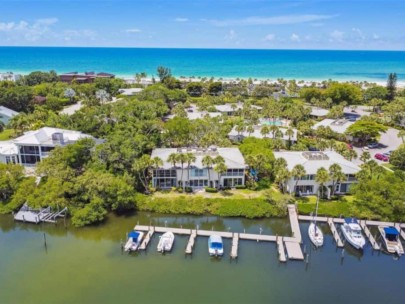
{"x": 215, "y": 245}
{"x": 134, "y": 240}
{"x": 166, "y": 242}
{"x": 391, "y": 238}
{"x": 352, "y": 232}
{"x": 315, "y": 234}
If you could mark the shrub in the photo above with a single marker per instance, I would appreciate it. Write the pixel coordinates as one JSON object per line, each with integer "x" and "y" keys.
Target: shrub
{"x": 91, "y": 213}
{"x": 189, "y": 190}
{"x": 240, "y": 187}
{"x": 211, "y": 190}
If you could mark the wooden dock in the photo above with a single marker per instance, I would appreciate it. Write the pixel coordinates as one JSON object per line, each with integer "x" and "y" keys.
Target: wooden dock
{"x": 335, "y": 233}
{"x": 294, "y": 251}
{"x": 373, "y": 242}
{"x": 147, "y": 238}
{"x": 401, "y": 232}
{"x": 235, "y": 244}
{"x": 280, "y": 248}
{"x": 191, "y": 242}
{"x": 295, "y": 226}
{"x": 30, "y": 215}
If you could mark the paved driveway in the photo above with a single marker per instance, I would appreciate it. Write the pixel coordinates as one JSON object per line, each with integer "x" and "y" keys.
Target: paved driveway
{"x": 389, "y": 141}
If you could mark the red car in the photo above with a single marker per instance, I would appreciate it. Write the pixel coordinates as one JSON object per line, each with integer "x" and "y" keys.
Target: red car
{"x": 381, "y": 157}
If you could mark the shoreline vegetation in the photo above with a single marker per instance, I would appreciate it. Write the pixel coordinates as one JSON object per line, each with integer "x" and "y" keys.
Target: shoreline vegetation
{"x": 112, "y": 176}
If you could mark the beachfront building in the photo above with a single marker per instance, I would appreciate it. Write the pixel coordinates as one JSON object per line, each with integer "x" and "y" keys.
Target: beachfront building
{"x": 9, "y": 76}
{"x": 199, "y": 175}
{"x": 237, "y": 136}
{"x": 130, "y": 91}
{"x": 312, "y": 161}
{"x": 34, "y": 146}
{"x": 337, "y": 125}
{"x": 318, "y": 113}
{"x": 231, "y": 109}
{"x": 87, "y": 77}
{"x": 6, "y": 114}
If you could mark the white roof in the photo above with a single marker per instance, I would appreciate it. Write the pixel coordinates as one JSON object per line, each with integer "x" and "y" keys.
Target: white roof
{"x": 312, "y": 161}
{"x": 7, "y": 112}
{"x": 232, "y": 156}
{"x": 319, "y": 112}
{"x": 228, "y": 107}
{"x": 130, "y": 91}
{"x": 43, "y": 136}
{"x": 338, "y": 126}
{"x": 8, "y": 148}
{"x": 257, "y": 133}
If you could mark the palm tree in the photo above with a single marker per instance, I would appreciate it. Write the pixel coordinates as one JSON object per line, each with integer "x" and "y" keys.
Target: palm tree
{"x": 274, "y": 129}
{"x": 156, "y": 163}
{"x": 182, "y": 159}
{"x": 297, "y": 172}
{"x": 219, "y": 159}
{"x": 282, "y": 176}
{"x": 265, "y": 131}
{"x": 350, "y": 154}
{"x": 365, "y": 156}
{"x": 220, "y": 168}
{"x": 321, "y": 177}
{"x": 250, "y": 129}
{"x": 401, "y": 134}
{"x": 322, "y": 145}
{"x": 337, "y": 175}
{"x": 190, "y": 159}
{"x": 240, "y": 128}
{"x": 208, "y": 161}
{"x": 290, "y": 133}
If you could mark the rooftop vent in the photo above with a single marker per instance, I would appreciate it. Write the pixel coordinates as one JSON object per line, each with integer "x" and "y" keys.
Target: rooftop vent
{"x": 57, "y": 138}
{"x": 315, "y": 155}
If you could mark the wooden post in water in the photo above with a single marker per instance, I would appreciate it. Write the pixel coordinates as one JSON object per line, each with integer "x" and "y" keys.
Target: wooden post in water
{"x": 45, "y": 241}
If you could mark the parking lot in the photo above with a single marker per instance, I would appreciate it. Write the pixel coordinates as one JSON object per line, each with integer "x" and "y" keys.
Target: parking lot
{"x": 389, "y": 141}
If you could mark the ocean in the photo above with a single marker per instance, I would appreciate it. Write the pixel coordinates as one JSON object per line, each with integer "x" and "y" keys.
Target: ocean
{"x": 226, "y": 63}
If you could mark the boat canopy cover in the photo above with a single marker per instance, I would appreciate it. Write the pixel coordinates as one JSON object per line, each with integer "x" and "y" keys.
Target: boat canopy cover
{"x": 216, "y": 245}
{"x": 391, "y": 231}
{"x": 350, "y": 220}
{"x": 133, "y": 234}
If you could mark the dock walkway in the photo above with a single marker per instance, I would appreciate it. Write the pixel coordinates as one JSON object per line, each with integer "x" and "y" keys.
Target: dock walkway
{"x": 281, "y": 252}
{"x": 235, "y": 244}
{"x": 335, "y": 233}
{"x": 147, "y": 238}
{"x": 373, "y": 242}
{"x": 295, "y": 226}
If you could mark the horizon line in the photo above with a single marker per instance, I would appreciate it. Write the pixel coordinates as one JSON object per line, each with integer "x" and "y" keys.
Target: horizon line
{"x": 201, "y": 48}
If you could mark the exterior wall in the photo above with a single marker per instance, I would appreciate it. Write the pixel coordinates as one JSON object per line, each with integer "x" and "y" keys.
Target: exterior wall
{"x": 200, "y": 179}
{"x": 341, "y": 188}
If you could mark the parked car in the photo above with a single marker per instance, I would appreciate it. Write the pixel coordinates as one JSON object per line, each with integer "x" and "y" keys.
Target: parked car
{"x": 314, "y": 149}
{"x": 350, "y": 146}
{"x": 373, "y": 145}
{"x": 388, "y": 153}
{"x": 382, "y": 157}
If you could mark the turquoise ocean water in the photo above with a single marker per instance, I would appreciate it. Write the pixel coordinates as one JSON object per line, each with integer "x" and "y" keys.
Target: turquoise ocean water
{"x": 289, "y": 64}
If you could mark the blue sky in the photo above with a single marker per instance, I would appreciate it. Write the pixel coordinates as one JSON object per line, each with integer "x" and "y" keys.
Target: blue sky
{"x": 261, "y": 24}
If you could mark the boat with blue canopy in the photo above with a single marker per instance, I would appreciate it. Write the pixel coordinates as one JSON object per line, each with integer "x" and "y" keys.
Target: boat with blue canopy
{"x": 391, "y": 238}
{"x": 215, "y": 245}
{"x": 134, "y": 240}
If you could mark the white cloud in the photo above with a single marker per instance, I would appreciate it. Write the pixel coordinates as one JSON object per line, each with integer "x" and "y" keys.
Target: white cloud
{"x": 275, "y": 20}
{"x": 270, "y": 37}
{"x": 336, "y": 36}
{"x": 232, "y": 35}
{"x": 68, "y": 35}
{"x": 181, "y": 19}
{"x": 23, "y": 30}
{"x": 375, "y": 36}
{"x": 133, "y": 30}
{"x": 295, "y": 38}
{"x": 359, "y": 34}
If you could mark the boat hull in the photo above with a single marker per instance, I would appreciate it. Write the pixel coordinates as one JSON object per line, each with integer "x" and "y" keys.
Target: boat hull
{"x": 133, "y": 244}
{"x": 315, "y": 235}
{"x": 215, "y": 246}
{"x": 356, "y": 244}
{"x": 394, "y": 247}
{"x": 166, "y": 242}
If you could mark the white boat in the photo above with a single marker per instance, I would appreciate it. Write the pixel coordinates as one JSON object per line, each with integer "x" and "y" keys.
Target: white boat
{"x": 315, "y": 234}
{"x": 215, "y": 245}
{"x": 134, "y": 240}
{"x": 392, "y": 242}
{"x": 352, "y": 232}
{"x": 166, "y": 242}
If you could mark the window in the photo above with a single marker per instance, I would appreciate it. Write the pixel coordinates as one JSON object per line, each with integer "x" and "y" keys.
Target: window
{"x": 234, "y": 172}
{"x": 164, "y": 173}
{"x": 198, "y": 183}
{"x": 199, "y": 172}
{"x": 304, "y": 190}
{"x": 29, "y": 150}
{"x": 47, "y": 149}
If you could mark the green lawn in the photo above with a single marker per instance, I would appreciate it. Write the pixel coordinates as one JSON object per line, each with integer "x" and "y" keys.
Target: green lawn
{"x": 306, "y": 205}
{"x": 6, "y": 134}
